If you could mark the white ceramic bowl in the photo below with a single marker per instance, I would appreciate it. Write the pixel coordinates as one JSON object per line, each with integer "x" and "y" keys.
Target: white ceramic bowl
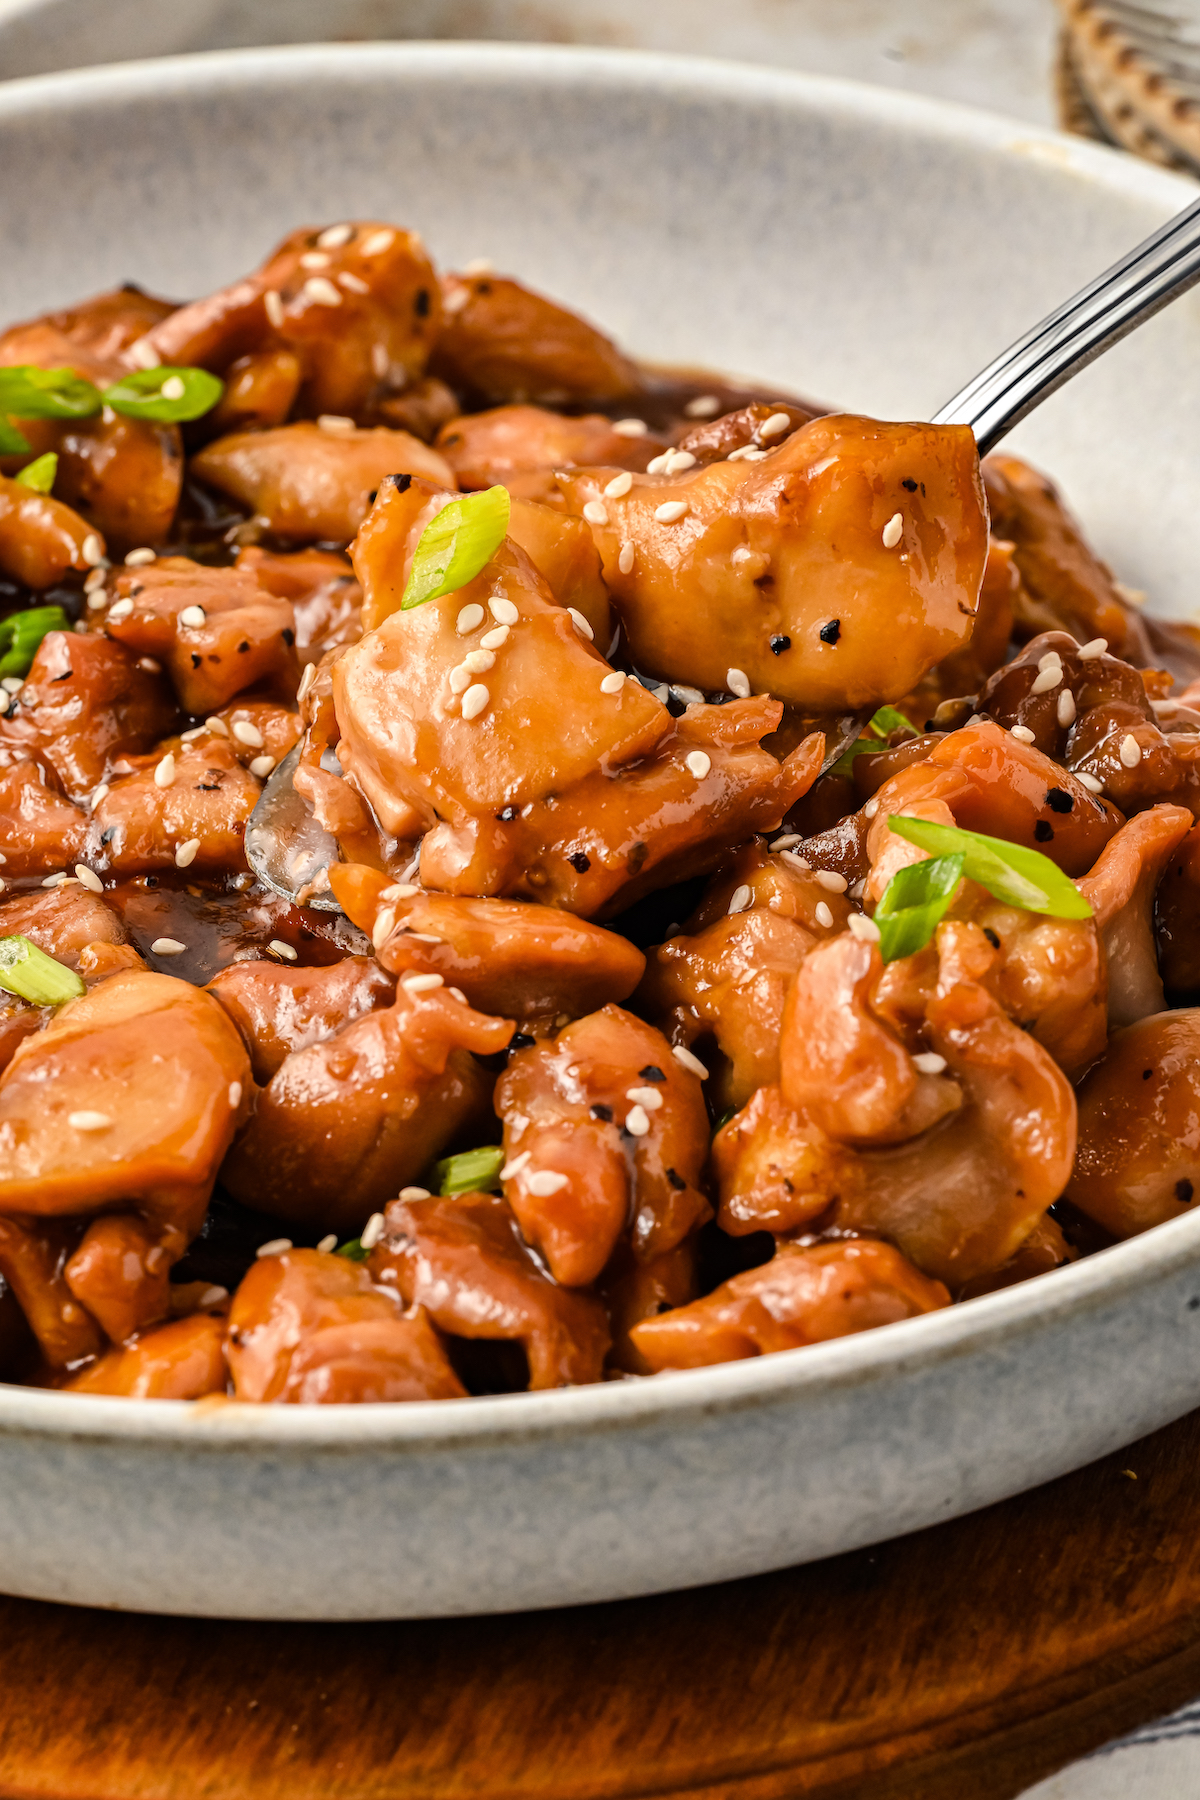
{"x": 859, "y": 246}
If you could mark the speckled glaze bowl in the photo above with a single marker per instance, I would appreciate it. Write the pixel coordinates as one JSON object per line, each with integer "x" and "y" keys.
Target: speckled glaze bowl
{"x": 855, "y": 245}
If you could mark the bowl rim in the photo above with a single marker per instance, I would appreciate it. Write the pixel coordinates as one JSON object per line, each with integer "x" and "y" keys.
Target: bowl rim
{"x": 983, "y": 1326}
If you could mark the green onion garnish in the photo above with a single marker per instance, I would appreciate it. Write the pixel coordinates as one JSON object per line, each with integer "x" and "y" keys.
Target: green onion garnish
{"x": 352, "y": 1250}
{"x": 456, "y": 545}
{"x": 914, "y": 904}
{"x": 22, "y": 632}
{"x": 27, "y": 392}
{"x": 1009, "y": 872}
{"x": 39, "y": 475}
{"x": 32, "y": 975}
{"x": 472, "y": 1172}
{"x": 882, "y": 723}
{"x": 12, "y": 441}
{"x": 172, "y": 396}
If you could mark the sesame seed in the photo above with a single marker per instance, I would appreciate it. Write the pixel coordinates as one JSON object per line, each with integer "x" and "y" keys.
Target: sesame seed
{"x": 455, "y": 300}
{"x": 235, "y": 1094}
{"x": 893, "y": 531}
{"x": 929, "y": 1063}
{"x": 1065, "y": 712}
{"x": 1090, "y": 782}
{"x": 1090, "y": 651}
{"x": 786, "y": 841}
{"x": 99, "y": 793}
{"x": 121, "y": 609}
{"x": 625, "y": 559}
{"x": 334, "y": 236}
{"x": 1050, "y": 677}
{"x": 172, "y": 389}
{"x": 704, "y": 406}
{"x": 503, "y": 611}
{"x": 457, "y": 994}
{"x": 422, "y": 984}
{"x": 164, "y": 773}
{"x": 328, "y": 1242}
{"x": 775, "y": 425}
{"x": 612, "y": 684}
{"x": 475, "y": 700}
{"x": 677, "y": 461}
{"x": 273, "y": 307}
{"x": 596, "y": 513}
{"x": 185, "y": 855}
{"x": 92, "y": 549}
{"x": 246, "y": 733}
{"x": 89, "y": 1121}
{"x": 630, "y": 428}
{"x": 262, "y": 766}
{"x": 89, "y": 878}
{"x": 740, "y": 898}
{"x": 219, "y": 725}
{"x": 1130, "y": 751}
{"x": 193, "y": 617}
{"x": 864, "y": 929}
{"x": 400, "y": 890}
{"x": 1051, "y": 660}
{"x": 619, "y": 486}
{"x": 377, "y": 242}
{"x": 830, "y": 879}
{"x": 148, "y": 663}
{"x": 670, "y": 512}
{"x": 144, "y": 355}
{"x": 686, "y": 1060}
{"x": 479, "y": 265}
{"x": 658, "y": 464}
{"x": 353, "y": 284}
{"x": 469, "y": 618}
{"x": 385, "y": 924}
{"x": 478, "y": 661}
{"x": 321, "y": 291}
{"x": 336, "y": 424}
{"x": 306, "y": 680}
{"x": 516, "y": 1164}
{"x": 137, "y": 559}
{"x": 459, "y": 679}
{"x": 55, "y": 880}
{"x": 279, "y": 948}
{"x": 213, "y": 1295}
{"x": 167, "y": 947}
{"x": 95, "y": 599}
{"x": 274, "y": 1247}
{"x": 738, "y": 682}
{"x": 689, "y": 695}
{"x": 637, "y": 1121}
{"x": 580, "y": 623}
{"x": 93, "y": 580}
{"x": 823, "y": 914}
{"x": 647, "y": 1097}
{"x": 498, "y": 635}
{"x": 1023, "y": 734}
{"x": 698, "y": 763}
{"x": 372, "y": 1231}
{"x": 545, "y": 1182}
{"x": 746, "y": 453}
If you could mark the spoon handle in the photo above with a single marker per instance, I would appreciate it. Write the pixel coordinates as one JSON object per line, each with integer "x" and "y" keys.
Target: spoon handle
{"x": 1149, "y": 278}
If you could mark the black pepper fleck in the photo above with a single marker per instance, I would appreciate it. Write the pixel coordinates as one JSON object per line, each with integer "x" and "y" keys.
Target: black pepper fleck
{"x": 580, "y": 862}
{"x": 779, "y": 644}
{"x": 991, "y": 937}
{"x": 676, "y": 1181}
{"x": 1059, "y": 801}
{"x": 599, "y": 1111}
{"x": 1043, "y": 831}
{"x": 651, "y": 1072}
{"x": 829, "y": 634}
{"x": 1146, "y": 1074}
{"x": 421, "y": 303}
{"x": 1184, "y": 1191}
{"x": 521, "y": 1040}
{"x": 909, "y": 483}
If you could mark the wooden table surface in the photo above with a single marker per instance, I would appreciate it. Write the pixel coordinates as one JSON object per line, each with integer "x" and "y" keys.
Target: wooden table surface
{"x": 967, "y": 1660}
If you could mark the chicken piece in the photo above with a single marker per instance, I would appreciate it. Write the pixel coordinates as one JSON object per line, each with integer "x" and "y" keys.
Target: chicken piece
{"x": 1044, "y": 1250}
{"x": 501, "y": 344}
{"x": 281, "y": 1010}
{"x": 40, "y": 830}
{"x": 533, "y": 791}
{"x": 121, "y": 1273}
{"x": 1177, "y": 919}
{"x": 184, "y": 1360}
{"x": 521, "y": 446}
{"x": 1064, "y": 586}
{"x": 635, "y": 1290}
{"x": 955, "y": 1168}
{"x": 123, "y": 475}
{"x": 357, "y": 304}
{"x": 807, "y": 1294}
{"x": 62, "y": 921}
{"x": 779, "y": 570}
{"x": 40, "y": 538}
{"x": 604, "y": 1132}
{"x": 1052, "y": 976}
{"x": 234, "y": 636}
{"x": 17, "y": 1022}
{"x": 321, "y": 585}
{"x": 782, "y": 882}
{"x": 90, "y": 337}
{"x": 1121, "y": 890}
{"x": 966, "y": 670}
{"x": 311, "y": 485}
{"x": 32, "y": 1253}
{"x": 260, "y": 391}
{"x": 721, "y": 437}
{"x": 1138, "y": 1162}
{"x": 85, "y": 701}
{"x": 140, "y": 823}
{"x": 131, "y": 1095}
{"x": 346, "y": 1123}
{"x": 561, "y": 550}
{"x": 309, "y": 1329}
{"x": 463, "y": 1260}
{"x": 421, "y": 409}
{"x": 526, "y": 962}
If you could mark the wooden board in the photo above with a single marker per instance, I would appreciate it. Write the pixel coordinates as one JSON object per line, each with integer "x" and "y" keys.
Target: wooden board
{"x": 968, "y": 1660}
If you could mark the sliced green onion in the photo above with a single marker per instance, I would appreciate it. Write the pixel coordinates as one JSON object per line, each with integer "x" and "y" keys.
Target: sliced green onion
{"x": 12, "y": 441}
{"x": 722, "y": 1119}
{"x": 882, "y": 723}
{"x": 172, "y": 396}
{"x": 473, "y": 1172}
{"x": 889, "y": 719}
{"x": 915, "y": 903}
{"x": 27, "y": 392}
{"x": 1009, "y": 872}
{"x": 39, "y": 475}
{"x": 22, "y": 632}
{"x": 32, "y": 975}
{"x": 352, "y": 1250}
{"x": 456, "y": 545}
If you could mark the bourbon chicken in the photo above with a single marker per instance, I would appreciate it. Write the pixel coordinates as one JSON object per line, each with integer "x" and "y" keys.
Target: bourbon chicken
{"x": 519, "y": 871}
